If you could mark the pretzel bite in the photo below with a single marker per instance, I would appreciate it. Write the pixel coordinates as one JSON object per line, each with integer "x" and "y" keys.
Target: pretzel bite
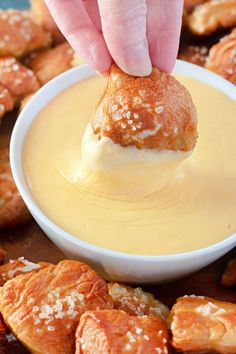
{"x": 203, "y": 325}
{"x": 6, "y": 101}
{"x": 19, "y": 80}
{"x": 136, "y": 301}
{"x": 211, "y": 16}
{"x": 153, "y": 112}
{"x": 229, "y": 275}
{"x": 13, "y": 210}
{"x": 222, "y": 57}
{"x": 116, "y": 332}
{"x": 42, "y": 16}
{"x": 194, "y": 54}
{"x": 43, "y": 308}
{"x": 51, "y": 62}
{"x": 19, "y": 35}
{"x": 189, "y": 5}
{"x": 16, "y": 267}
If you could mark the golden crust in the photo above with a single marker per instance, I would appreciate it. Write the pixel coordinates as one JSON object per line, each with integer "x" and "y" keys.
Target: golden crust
{"x": 153, "y": 112}
{"x": 42, "y": 16}
{"x": 222, "y": 57}
{"x": 229, "y": 275}
{"x": 18, "y": 266}
{"x": 114, "y": 331}
{"x": 203, "y": 325}
{"x": 13, "y": 210}
{"x": 194, "y": 54}
{"x": 6, "y": 101}
{"x": 19, "y": 35}
{"x": 189, "y": 5}
{"x": 43, "y": 308}
{"x": 211, "y": 16}
{"x": 51, "y": 62}
{"x": 17, "y": 78}
{"x": 135, "y": 301}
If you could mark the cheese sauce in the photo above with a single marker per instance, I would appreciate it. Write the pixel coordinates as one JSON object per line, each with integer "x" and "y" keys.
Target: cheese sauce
{"x": 195, "y": 210}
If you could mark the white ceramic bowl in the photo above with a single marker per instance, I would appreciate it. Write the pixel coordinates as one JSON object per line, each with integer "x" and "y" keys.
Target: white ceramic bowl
{"x": 114, "y": 265}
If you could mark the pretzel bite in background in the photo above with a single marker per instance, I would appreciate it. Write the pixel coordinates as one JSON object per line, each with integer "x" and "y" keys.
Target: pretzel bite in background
{"x": 20, "y": 35}
{"x": 51, "y": 62}
{"x": 153, "y": 112}
{"x": 229, "y": 276}
{"x": 116, "y": 332}
{"x": 6, "y": 101}
{"x": 222, "y": 57}
{"x": 42, "y": 16}
{"x": 13, "y": 211}
{"x": 203, "y": 325}
{"x": 135, "y": 301}
{"x": 49, "y": 303}
{"x": 194, "y": 54}
{"x": 211, "y": 16}
{"x": 189, "y": 5}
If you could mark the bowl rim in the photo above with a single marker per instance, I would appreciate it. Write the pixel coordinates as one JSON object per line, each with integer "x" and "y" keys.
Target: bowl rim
{"x": 182, "y": 68}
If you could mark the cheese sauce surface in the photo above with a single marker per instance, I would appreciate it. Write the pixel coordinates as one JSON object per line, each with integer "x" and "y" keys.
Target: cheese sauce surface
{"x": 196, "y": 210}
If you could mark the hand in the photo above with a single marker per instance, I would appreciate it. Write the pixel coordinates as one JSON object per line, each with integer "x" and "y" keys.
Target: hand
{"x": 136, "y": 34}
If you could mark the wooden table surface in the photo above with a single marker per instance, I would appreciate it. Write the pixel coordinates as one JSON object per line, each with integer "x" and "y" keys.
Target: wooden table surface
{"x": 31, "y": 242}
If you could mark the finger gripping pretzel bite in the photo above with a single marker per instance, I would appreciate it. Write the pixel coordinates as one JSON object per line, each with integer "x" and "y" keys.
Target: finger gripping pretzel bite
{"x": 116, "y": 332}
{"x": 153, "y": 112}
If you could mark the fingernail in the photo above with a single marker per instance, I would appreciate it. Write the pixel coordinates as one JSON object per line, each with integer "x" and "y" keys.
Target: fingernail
{"x": 137, "y": 61}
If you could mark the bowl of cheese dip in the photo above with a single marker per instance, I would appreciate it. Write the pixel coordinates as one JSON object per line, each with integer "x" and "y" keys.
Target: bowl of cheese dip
{"x": 145, "y": 238}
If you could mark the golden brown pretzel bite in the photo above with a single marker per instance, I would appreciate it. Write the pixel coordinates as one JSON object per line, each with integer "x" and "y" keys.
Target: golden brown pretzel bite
{"x": 43, "y": 308}
{"x": 19, "y": 35}
{"x": 203, "y": 325}
{"x": 6, "y": 101}
{"x": 115, "y": 332}
{"x": 153, "y": 112}
{"x": 222, "y": 57}
{"x": 194, "y": 54}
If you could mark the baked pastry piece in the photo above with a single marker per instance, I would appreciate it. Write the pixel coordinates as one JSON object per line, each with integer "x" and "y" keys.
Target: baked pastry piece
{"x": 13, "y": 210}
{"x": 51, "y": 62}
{"x": 43, "y": 308}
{"x": 153, "y": 112}
{"x": 135, "y": 301}
{"x": 211, "y": 16}
{"x": 6, "y": 101}
{"x": 17, "y": 78}
{"x": 194, "y": 54}
{"x": 229, "y": 275}
{"x": 189, "y": 5}
{"x": 203, "y": 325}
{"x": 222, "y": 57}
{"x": 42, "y": 16}
{"x": 19, "y": 35}
{"x": 18, "y": 266}
{"x": 116, "y": 332}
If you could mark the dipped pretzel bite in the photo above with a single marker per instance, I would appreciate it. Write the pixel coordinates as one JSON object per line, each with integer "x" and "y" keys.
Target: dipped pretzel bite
{"x": 116, "y": 332}
{"x": 153, "y": 112}
{"x": 135, "y": 301}
{"x": 13, "y": 210}
{"x": 203, "y": 325}
{"x": 43, "y": 307}
{"x": 222, "y": 57}
{"x": 229, "y": 275}
{"x": 19, "y": 35}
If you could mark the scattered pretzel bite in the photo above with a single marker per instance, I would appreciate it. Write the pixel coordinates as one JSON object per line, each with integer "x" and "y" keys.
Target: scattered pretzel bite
{"x": 222, "y": 57}
{"x": 116, "y": 332}
{"x": 42, "y": 16}
{"x": 135, "y": 301}
{"x": 17, "y": 78}
{"x": 211, "y": 16}
{"x": 229, "y": 275}
{"x": 203, "y": 325}
{"x": 6, "y": 101}
{"x": 19, "y": 35}
{"x": 153, "y": 112}
{"x": 43, "y": 308}
{"x": 190, "y": 4}
{"x": 16, "y": 267}
{"x": 13, "y": 210}
{"x": 51, "y": 62}
{"x": 194, "y": 54}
